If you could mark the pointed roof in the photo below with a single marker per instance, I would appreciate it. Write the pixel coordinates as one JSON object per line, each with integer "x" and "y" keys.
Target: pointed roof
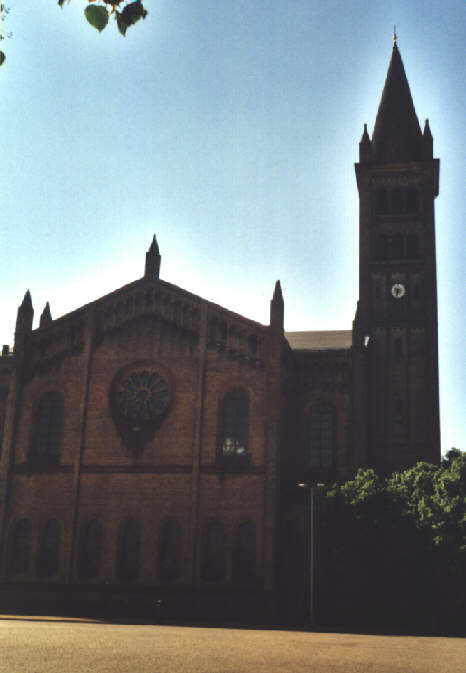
{"x": 26, "y": 304}
{"x": 154, "y": 246}
{"x": 397, "y": 135}
{"x": 277, "y": 293}
{"x": 46, "y": 317}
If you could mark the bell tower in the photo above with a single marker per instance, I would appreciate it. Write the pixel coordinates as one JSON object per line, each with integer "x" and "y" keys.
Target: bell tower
{"x": 395, "y": 329}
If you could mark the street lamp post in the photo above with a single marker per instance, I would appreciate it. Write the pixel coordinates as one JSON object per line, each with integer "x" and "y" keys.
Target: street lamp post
{"x": 309, "y": 519}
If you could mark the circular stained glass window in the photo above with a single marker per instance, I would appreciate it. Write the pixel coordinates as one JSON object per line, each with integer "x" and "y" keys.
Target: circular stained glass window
{"x": 142, "y": 395}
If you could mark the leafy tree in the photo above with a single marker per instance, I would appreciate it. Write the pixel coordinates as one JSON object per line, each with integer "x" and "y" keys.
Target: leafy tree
{"x": 392, "y": 552}
{"x": 125, "y": 13}
{"x": 4, "y": 11}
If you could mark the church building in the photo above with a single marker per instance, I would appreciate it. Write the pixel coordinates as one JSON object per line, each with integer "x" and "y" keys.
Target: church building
{"x": 152, "y": 441}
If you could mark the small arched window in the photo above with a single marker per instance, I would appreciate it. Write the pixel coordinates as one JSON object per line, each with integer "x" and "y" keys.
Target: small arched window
{"x": 235, "y": 423}
{"x": 321, "y": 435}
{"x": 244, "y": 553}
{"x": 212, "y": 552}
{"x": 169, "y": 550}
{"x": 129, "y": 535}
{"x": 47, "y": 560}
{"x": 19, "y": 547}
{"x": 47, "y": 437}
{"x": 90, "y": 549}
{"x": 381, "y": 202}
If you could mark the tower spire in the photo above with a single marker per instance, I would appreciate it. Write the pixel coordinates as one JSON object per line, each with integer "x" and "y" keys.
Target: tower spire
{"x": 397, "y": 135}
{"x": 277, "y": 308}
{"x": 153, "y": 259}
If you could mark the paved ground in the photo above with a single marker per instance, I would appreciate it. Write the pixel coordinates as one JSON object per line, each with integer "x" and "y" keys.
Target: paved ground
{"x": 51, "y": 645}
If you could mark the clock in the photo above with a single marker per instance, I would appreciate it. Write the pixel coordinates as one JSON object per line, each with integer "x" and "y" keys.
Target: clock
{"x": 398, "y": 290}
{"x": 141, "y": 395}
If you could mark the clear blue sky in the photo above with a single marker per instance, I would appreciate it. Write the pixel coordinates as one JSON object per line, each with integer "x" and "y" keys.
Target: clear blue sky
{"x": 230, "y": 129}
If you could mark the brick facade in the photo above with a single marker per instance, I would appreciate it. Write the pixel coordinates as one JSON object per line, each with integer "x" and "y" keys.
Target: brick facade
{"x": 229, "y": 500}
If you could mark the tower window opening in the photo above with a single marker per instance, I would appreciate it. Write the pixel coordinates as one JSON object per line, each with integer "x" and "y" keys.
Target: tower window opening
{"x": 412, "y": 248}
{"x": 412, "y": 200}
{"x": 381, "y": 202}
{"x": 381, "y": 248}
{"x": 396, "y": 201}
{"x": 397, "y": 247}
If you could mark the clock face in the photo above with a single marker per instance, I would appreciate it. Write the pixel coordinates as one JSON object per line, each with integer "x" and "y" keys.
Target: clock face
{"x": 142, "y": 395}
{"x": 398, "y": 290}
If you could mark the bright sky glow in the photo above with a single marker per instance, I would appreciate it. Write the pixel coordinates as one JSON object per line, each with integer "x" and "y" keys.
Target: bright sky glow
{"x": 230, "y": 129}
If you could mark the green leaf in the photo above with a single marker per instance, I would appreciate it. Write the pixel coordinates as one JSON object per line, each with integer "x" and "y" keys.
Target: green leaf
{"x": 2, "y": 57}
{"x": 130, "y": 15}
{"x": 97, "y": 16}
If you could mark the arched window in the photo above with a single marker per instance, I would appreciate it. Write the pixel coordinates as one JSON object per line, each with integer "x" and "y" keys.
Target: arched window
{"x": 381, "y": 202}
{"x": 49, "y": 548}
{"x": 129, "y": 536}
{"x": 47, "y": 437}
{"x": 381, "y": 248}
{"x": 19, "y": 548}
{"x": 321, "y": 435}
{"x": 412, "y": 251}
{"x": 396, "y": 201}
{"x": 398, "y": 348}
{"x": 244, "y": 553}
{"x": 212, "y": 552}
{"x": 169, "y": 550}
{"x": 90, "y": 549}
{"x": 412, "y": 200}
{"x": 235, "y": 423}
{"x": 397, "y": 247}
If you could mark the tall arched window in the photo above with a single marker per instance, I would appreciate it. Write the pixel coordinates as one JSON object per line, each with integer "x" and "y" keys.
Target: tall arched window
{"x": 244, "y": 553}
{"x": 19, "y": 547}
{"x": 396, "y": 201}
{"x": 321, "y": 435}
{"x": 129, "y": 535}
{"x": 47, "y": 436}
{"x": 381, "y": 202}
{"x": 235, "y": 422}
{"x": 397, "y": 247}
{"x": 49, "y": 548}
{"x": 169, "y": 550}
{"x": 90, "y": 549}
{"x": 381, "y": 248}
{"x": 212, "y": 552}
{"x": 412, "y": 200}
